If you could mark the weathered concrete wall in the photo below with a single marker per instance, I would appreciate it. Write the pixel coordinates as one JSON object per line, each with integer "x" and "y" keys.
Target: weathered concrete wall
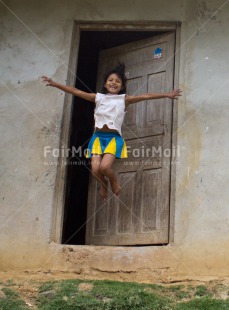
{"x": 35, "y": 40}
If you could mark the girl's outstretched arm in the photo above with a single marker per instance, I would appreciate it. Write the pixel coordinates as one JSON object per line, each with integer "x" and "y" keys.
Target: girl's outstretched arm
{"x": 172, "y": 95}
{"x": 69, "y": 89}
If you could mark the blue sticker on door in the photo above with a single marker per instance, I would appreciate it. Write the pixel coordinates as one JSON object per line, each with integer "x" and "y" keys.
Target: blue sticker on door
{"x": 157, "y": 53}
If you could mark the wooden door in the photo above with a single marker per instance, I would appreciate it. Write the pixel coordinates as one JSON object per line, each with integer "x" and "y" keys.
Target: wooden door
{"x": 141, "y": 213}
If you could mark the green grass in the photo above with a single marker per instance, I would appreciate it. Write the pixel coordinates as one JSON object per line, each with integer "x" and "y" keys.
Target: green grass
{"x": 104, "y": 295}
{"x": 201, "y": 290}
{"x": 12, "y": 301}
{"x": 111, "y": 295}
{"x": 204, "y": 303}
{"x": 117, "y": 295}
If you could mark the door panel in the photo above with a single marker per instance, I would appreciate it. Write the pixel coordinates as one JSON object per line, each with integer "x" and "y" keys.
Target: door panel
{"x": 140, "y": 215}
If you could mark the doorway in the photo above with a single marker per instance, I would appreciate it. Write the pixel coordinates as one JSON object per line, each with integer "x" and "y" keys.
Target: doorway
{"x": 77, "y": 182}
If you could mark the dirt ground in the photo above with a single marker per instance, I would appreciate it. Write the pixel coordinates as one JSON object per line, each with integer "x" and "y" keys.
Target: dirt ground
{"x": 27, "y": 283}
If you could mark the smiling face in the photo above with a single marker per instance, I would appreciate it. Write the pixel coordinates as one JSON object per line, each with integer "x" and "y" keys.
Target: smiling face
{"x": 113, "y": 84}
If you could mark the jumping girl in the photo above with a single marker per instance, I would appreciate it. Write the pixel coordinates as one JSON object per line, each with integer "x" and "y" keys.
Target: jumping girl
{"x": 107, "y": 143}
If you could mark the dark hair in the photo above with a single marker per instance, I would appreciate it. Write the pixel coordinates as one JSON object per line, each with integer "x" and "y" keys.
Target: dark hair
{"x": 120, "y": 71}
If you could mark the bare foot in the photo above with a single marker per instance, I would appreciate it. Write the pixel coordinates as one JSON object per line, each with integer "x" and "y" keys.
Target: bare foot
{"x": 115, "y": 188}
{"x": 103, "y": 191}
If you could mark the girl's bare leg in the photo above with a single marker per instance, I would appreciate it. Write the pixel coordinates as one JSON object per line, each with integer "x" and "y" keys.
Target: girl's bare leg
{"x": 106, "y": 169}
{"x": 95, "y": 166}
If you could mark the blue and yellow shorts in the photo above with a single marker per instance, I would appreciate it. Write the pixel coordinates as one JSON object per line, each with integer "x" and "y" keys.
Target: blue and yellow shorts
{"x": 103, "y": 142}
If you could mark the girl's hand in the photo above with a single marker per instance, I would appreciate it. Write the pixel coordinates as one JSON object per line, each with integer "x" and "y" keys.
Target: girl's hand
{"x": 48, "y": 81}
{"x": 175, "y": 93}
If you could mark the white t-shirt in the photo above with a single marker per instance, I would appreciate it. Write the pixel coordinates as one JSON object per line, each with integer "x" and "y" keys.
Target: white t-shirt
{"x": 110, "y": 111}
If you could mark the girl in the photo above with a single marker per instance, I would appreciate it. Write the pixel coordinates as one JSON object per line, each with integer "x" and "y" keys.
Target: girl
{"x": 107, "y": 143}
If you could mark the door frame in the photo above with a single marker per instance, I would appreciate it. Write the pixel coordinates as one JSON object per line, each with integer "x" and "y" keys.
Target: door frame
{"x": 61, "y": 175}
